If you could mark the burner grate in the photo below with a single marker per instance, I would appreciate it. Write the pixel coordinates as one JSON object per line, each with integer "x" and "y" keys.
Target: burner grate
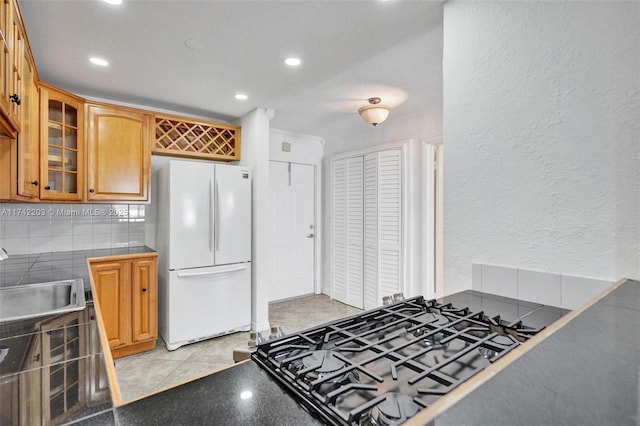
{"x": 381, "y": 366}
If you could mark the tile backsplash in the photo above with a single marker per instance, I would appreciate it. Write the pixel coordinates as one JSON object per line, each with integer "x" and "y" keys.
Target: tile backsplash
{"x": 565, "y": 291}
{"x": 40, "y": 228}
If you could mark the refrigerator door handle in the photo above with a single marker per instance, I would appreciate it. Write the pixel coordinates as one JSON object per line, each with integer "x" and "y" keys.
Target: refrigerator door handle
{"x": 232, "y": 268}
{"x": 216, "y": 231}
{"x": 211, "y": 224}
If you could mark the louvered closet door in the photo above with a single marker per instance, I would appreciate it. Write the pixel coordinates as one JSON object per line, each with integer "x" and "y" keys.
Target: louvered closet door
{"x": 354, "y": 227}
{"x": 367, "y": 228}
{"x": 389, "y": 223}
{"x": 371, "y": 297}
{"x": 339, "y": 230}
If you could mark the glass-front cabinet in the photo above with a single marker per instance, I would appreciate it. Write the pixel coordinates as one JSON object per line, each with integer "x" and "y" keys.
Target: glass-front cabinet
{"x": 61, "y": 168}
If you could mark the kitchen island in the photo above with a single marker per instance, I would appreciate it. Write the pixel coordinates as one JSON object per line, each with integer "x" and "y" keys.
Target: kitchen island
{"x": 583, "y": 369}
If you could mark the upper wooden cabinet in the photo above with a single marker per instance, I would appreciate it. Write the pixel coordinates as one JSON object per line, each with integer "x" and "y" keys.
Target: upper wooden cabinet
{"x": 14, "y": 56}
{"x": 6, "y": 60}
{"x": 28, "y": 140}
{"x": 62, "y": 145}
{"x": 118, "y": 160}
{"x": 207, "y": 140}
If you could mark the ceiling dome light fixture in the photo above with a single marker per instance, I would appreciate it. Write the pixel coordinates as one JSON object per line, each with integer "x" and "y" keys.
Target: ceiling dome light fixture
{"x": 116, "y": 2}
{"x": 241, "y": 97}
{"x": 374, "y": 113}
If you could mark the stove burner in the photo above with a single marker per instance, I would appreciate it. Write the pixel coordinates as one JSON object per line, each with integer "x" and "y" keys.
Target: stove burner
{"x": 435, "y": 341}
{"x": 322, "y": 362}
{"x": 437, "y": 319}
{"x": 503, "y": 340}
{"x": 394, "y": 409}
{"x": 487, "y": 353}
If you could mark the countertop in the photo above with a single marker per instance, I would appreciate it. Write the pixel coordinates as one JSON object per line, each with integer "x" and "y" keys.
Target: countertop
{"x": 59, "y": 356}
{"x": 43, "y": 267}
{"x": 53, "y": 370}
{"x": 585, "y": 372}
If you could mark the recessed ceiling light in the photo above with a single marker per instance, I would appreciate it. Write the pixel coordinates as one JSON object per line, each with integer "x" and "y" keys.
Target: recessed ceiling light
{"x": 194, "y": 43}
{"x": 292, "y": 62}
{"x": 99, "y": 61}
{"x": 116, "y": 2}
{"x": 241, "y": 97}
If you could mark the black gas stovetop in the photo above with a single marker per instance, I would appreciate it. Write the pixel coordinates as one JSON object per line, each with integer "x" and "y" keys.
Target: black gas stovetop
{"x": 382, "y": 366}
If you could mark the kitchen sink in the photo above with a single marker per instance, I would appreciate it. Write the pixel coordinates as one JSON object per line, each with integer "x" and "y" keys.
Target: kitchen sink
{"x": 35, "y": 300}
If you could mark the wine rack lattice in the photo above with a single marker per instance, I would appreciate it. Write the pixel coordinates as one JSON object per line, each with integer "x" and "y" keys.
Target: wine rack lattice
{"x": 200, "y": 139}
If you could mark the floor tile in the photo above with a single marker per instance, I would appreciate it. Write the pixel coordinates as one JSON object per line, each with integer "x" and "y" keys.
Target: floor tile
{"x": 159, "y": 368}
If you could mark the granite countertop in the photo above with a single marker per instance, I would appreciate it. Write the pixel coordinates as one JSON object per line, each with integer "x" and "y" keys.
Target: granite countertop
{"x": 53, "y": 370}
{"x": 587, "y": 372}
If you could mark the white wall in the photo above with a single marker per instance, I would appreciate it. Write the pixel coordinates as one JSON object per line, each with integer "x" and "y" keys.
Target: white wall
{"x": 255, "y": 154}
{"x": 542, "y": 135}
{"x": 304, "y": 149}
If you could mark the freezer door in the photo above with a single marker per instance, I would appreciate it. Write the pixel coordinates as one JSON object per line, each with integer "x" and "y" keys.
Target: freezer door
{"x": 206, "y": 302}
{"x": 232, "y": 217}
{"x": 192, "y": 186}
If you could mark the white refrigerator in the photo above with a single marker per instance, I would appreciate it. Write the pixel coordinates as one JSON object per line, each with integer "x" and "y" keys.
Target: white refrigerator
{"x": 203, "y": 238}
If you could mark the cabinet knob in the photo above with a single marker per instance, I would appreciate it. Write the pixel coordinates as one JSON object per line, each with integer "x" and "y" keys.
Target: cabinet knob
{"x": 15, "y": 99}
{"x": 92, "y": 190}
{"x": 34, "y": 183}
{"x": 144, "y": 289}
{"x": 47, "y": 187}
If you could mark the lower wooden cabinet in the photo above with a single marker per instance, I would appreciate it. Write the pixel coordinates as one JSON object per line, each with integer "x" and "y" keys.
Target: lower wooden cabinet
{"x": 126, "y": 288}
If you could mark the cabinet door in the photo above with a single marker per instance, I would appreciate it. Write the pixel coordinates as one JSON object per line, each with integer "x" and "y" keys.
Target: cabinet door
{"x": 29, "y": 137}
{"x": 144, "y": 299}
{"x": 16, "y": 47}
{"x": 112, "y": 285}
{"x": 5, "y": 55}
{"x": 30, "y": 394}
{"x": 62, "y": 144}
{"x": 63, "y": 372}
{"x": 118, "y": 154}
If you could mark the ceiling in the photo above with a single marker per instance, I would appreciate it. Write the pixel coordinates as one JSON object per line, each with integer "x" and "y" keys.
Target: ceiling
{"x": 350, "y": 51}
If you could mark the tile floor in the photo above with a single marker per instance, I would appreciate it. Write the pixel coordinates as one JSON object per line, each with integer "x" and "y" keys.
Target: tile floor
{"x": 153, "y": 370}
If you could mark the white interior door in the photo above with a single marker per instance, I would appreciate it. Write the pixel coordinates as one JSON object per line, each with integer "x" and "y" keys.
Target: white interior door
{"x": 292, "y": 188}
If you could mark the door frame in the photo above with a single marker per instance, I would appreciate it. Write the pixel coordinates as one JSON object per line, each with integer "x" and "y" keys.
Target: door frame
{"x": 317, "y": 219}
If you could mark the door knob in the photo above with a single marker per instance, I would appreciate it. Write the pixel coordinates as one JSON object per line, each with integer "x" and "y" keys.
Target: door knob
{"x": 310, "y": 236}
